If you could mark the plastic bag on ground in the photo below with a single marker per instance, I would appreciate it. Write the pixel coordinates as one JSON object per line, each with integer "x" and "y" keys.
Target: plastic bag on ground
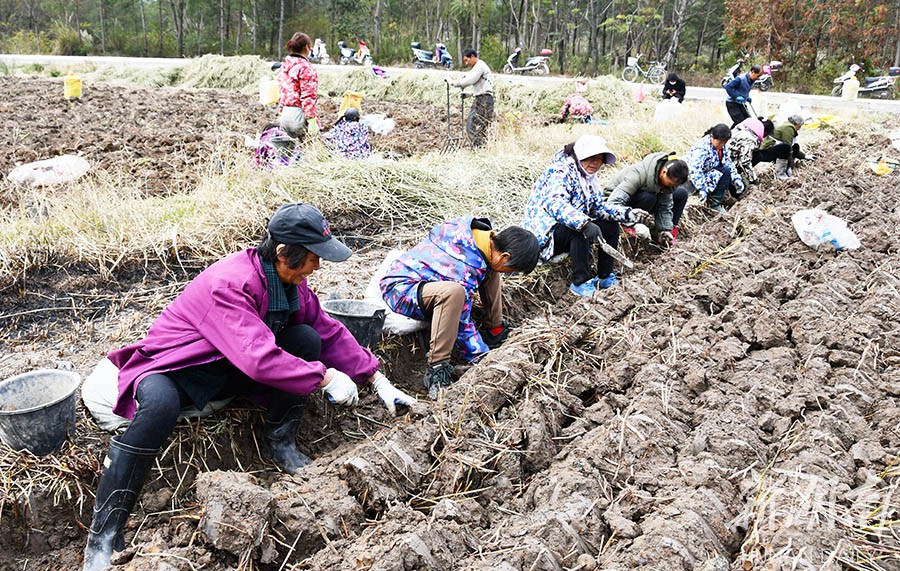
{"x": 58, "y": 170}
{"x": 101, "y": 389}
{"x": 378, "y": 123}
{"x": 817, "y": 228}
{"x": 393, "y": 322}
{"x": 667, "y": 110}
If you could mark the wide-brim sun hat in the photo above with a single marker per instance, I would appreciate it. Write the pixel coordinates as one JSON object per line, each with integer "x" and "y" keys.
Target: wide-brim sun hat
{"x": 588, "y": 146}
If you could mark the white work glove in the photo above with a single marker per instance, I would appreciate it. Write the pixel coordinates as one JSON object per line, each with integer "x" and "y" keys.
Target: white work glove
{"x": 702, "y": 194}
{"x": 666, "y": 239}
{"x": 312, "y": 126}
{"x": 642, "y": 232}
{"x": 390, "y": 395}
{"x": 739, "y": 185}
{"x": 340, "y": 389}
{"x": 636, "y": 215}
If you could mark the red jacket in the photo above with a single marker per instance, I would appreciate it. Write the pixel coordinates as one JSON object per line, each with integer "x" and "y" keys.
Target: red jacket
{"x": 298, "y": 84}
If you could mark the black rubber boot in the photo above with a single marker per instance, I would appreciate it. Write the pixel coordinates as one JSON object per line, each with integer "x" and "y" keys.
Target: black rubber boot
{"x": 281, "y": 436}
{"x": 124, "y": 471}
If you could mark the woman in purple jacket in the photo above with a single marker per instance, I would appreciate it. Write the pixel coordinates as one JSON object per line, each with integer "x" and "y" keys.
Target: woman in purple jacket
{"x": 247, "y": 324}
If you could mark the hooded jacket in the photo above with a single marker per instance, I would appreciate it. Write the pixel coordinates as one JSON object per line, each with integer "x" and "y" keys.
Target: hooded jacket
{"x": 745, "y": 138}
{"x": 448, "y": 254}
{"x": 643, "y": 176}
{"x": 565, "y": 195}
{"x": 221, "y": 315}
{"x": 785, "y": 133}
{"x": 702, "y": 161}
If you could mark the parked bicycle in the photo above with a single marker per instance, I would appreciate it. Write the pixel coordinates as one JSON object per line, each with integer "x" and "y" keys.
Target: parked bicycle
{"x": 656, "y": 74}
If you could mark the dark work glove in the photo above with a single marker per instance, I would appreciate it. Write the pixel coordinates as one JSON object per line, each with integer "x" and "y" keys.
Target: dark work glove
{"x": 494, "y": 340}
{"x": 591, "y": 231}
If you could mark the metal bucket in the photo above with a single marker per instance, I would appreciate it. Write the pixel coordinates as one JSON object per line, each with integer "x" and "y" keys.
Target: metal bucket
{"x": 37, "y": 410}
{"x": 363, "y": 319}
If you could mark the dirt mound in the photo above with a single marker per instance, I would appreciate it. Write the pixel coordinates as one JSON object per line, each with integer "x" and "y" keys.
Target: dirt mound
{"x": 732, "y": 405}
{"x": 160, "y": 137}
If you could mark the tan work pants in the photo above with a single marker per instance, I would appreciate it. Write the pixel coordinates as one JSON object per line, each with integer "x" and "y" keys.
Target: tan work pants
{"x": 443, "y": 302}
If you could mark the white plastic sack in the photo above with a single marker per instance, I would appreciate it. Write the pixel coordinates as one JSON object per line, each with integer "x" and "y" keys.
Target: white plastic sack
{"x": 393, "y": 322}
{"x": 64, "y": 168}
{"x": 817, "y": 228}
{"x": 788, "y": 108}
{"x": 378, "y": 123}
{"x": 667, "y": 110}
{"x": 101, "y": 389}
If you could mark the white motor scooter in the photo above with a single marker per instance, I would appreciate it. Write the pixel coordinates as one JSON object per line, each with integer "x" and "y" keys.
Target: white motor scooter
{"x": 362, "y": 56}
{"x": 881, "y": 86}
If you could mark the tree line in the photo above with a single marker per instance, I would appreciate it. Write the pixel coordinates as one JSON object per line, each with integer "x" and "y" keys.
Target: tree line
{"x": 587, "y": 36}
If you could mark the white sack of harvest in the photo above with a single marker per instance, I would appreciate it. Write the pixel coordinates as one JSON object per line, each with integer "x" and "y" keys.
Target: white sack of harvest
{"x": 58, "y": 170}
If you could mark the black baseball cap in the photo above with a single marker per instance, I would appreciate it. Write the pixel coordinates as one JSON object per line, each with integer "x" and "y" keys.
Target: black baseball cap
{"x": 303, "y": 225}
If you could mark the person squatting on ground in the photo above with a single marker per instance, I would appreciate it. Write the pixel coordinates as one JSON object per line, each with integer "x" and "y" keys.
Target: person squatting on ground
{"x": 298, "y": 85}
{"x": 743, "y": 147}
{"x": 654, "y": 185}
{"x": 247, "y": 325}
{"x": 783, "y": 148}
{"x": 275, "y": 148}
{"x": 711, "y": 171}
{"x": 674, "y": 88}
{"x": 438, "y": 278}
{"x": 567, "y": 213}
{"x": 738, "y": 90}
{"x": 349, "y": 136}
{"x": 481, "y": 80}
{"x": 576, "y": 104}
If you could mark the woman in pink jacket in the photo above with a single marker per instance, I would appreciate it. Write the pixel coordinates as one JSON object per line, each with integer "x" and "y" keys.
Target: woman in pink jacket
{"x": 247, "y": 324}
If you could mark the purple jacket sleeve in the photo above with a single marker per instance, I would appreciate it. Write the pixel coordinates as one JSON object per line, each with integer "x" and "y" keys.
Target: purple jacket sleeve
{"x": 233, "y": 326}
{"x": 340, "y": 349}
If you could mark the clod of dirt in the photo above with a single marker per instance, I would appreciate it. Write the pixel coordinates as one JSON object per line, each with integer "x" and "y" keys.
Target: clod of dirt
{"x": 236, "y": 511}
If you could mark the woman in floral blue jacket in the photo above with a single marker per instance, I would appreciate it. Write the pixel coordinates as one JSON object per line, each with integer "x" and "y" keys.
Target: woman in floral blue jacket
{"x": 711, "y": 170}
{"x": 349, "y": 136}
{"x": 438, "y": 279}
{"x": 566, "y": 212}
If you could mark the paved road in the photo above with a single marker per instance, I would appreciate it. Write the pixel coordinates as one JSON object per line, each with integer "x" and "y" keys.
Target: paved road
{"x": 824, "y": 102}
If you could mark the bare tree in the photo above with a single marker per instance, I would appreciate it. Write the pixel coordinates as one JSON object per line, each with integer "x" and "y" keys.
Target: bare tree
{"x": 255, "y": 23}
{"x": 221, "y": 27}
{"x": 280, "y": 28}
{"x": 178, "y": 21}
{"x": 143, "y": 28}
{"x": 678, "y": 18}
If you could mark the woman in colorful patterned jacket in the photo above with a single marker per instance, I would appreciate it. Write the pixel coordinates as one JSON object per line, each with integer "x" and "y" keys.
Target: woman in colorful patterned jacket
{"x": 566, "y": 212}
{"x": 438, "y": 278}
{"x": 298, "y": 84}
{"x": 711, "y": 171}
{"x": 349, "y": 136}
{"x": 743, "y": 147}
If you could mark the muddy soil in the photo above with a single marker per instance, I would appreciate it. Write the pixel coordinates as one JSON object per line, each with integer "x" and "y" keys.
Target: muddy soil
{"x": 158, "y": 137}
{"x": 732, "y": 405}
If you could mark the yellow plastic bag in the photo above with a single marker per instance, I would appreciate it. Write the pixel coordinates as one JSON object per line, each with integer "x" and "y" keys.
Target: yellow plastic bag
{"x": 351, "y": 100}
{"x": 72, "y": 86}
{"x": 268, "y": 92}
